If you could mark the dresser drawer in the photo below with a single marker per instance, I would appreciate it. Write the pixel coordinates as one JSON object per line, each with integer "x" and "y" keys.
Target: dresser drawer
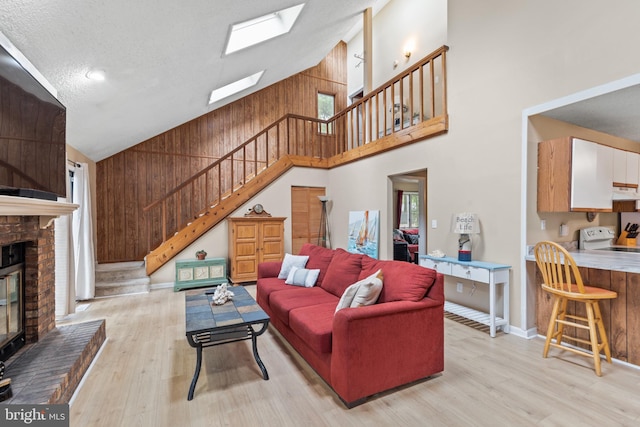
{"x": 471, "y": 273}
{"x": 440, "y": 266}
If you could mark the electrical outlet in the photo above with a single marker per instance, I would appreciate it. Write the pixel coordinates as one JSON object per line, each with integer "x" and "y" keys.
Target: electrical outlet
{"x": 460, "y": 287}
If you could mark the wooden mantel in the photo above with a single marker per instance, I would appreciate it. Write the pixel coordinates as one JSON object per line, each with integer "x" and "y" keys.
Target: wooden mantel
{"x": 47, "y": 210}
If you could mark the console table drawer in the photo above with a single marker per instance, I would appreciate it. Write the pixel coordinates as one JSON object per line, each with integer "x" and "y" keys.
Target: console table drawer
{"x": 443, "y": 267}
{"x": 477, "y": 271}
{"x": 470, "y": 273}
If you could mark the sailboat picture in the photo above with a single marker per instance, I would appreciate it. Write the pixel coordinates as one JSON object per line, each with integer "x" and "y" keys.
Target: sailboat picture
{"x": 364, "y": 228}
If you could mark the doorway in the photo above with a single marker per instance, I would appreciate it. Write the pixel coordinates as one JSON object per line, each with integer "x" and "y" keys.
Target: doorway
{"x": 409, "y": 212}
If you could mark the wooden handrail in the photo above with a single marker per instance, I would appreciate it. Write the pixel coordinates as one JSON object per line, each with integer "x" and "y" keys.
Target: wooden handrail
{"x": 376, "y": 116}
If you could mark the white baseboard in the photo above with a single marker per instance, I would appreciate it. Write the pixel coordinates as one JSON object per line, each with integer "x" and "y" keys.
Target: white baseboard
{"x": 527, "y": 334}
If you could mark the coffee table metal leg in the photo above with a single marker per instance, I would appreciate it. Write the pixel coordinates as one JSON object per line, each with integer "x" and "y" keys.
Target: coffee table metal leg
{"x": 196, "y": 374}
{"x": 254, "y": 341}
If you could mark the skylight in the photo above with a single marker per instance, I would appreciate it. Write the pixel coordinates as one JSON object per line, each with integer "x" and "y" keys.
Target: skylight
{"x": 263, "y": 28}
{"x": 235, "y": 87}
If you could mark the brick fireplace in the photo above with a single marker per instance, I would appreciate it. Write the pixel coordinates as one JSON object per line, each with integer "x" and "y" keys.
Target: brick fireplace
{"x": 40, "y": 316}
{"x": 52, "y": 363}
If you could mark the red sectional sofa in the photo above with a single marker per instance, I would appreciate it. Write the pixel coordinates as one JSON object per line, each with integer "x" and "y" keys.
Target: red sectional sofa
{"x": 365, "y": 350}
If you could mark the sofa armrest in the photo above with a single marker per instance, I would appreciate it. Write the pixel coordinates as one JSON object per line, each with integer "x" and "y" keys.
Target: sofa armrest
{"x": 269, "y": 269}
{"x": 382, "y": 346}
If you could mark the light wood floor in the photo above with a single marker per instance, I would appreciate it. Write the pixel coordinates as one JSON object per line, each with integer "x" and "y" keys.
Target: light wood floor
{"x": 143, "y": 374}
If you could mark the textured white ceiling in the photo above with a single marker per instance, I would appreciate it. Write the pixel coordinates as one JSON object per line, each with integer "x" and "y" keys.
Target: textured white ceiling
{"x": 162, "y": 58}
{"x": 614, "y": 113}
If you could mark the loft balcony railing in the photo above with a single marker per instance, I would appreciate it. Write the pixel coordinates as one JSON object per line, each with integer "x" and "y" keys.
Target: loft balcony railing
{"x": 415, "y": 98}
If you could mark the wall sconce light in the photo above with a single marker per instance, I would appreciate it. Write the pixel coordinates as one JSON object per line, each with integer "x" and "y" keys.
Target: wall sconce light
{"x": 408, "y": 48}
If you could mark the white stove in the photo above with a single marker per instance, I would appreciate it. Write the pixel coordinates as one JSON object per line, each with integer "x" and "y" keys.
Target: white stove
{"x": 596, "y": 238}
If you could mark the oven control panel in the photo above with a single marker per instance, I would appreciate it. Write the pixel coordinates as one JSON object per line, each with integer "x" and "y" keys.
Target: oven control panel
{"x": 596, "y": 237}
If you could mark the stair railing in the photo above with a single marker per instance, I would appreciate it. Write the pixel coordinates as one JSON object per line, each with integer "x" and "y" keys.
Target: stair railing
{"x": 416, "y": 95}
{"x": 290, "y": 135}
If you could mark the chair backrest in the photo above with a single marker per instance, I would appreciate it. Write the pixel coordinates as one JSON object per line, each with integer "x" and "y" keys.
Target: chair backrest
{"x": 557, "y": 267}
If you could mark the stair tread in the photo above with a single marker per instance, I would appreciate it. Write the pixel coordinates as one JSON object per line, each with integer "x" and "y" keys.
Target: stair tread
{"x": 106, "y": 291}
{"x": 123, "y": 282}
{"x": 116, "y": 266}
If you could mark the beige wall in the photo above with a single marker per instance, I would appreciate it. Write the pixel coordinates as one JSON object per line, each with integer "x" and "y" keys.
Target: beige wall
{"x": 504, "y": 57}
{"x": 421, "y": 23}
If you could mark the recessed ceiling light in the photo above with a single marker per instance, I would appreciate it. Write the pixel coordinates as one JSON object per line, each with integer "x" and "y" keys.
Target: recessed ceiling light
{"x": 263, "y": 28}
{"x": 235, "y": 87}
{"x": 96, "y": 75}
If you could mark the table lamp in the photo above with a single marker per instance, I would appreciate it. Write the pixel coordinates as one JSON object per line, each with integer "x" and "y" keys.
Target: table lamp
{"x": 465, "y": 224}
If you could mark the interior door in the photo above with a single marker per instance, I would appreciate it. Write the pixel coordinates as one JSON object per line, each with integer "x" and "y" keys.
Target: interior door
{"x": 306, "y": 210}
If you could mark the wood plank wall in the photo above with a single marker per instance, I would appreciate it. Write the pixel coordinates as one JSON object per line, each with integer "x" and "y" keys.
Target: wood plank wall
{"x": 130, "y": 180}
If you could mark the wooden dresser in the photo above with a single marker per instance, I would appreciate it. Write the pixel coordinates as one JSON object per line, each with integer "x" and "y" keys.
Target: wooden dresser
{"x": 252, "y": 240}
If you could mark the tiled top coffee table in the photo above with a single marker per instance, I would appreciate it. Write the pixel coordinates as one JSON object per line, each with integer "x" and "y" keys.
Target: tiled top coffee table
{"x": 208, "y": 324}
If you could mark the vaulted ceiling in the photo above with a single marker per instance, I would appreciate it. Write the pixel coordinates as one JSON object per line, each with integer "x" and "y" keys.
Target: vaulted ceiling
{"x": 161, "y": 58}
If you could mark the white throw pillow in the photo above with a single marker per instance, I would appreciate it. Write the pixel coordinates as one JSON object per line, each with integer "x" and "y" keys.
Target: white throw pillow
{"x": 361, "y": 293}
{"x": 302, "y": 277}
{"x": 292, "y": 261}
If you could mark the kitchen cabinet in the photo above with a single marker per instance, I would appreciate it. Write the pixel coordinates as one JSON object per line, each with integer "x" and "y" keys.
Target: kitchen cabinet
{"x": 625, "y": 167}
{"x": 591, "y": 176}
{"x": 253, "y": 240}
{"x": 574, "y": 175}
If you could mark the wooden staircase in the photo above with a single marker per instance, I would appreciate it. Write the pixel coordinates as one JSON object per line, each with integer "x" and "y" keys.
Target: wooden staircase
{"x": 218, "y": 212}
{"x": 366, "y": 128}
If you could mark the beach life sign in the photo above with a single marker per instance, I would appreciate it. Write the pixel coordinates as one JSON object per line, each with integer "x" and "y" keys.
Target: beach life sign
{"x": 466, "y": 223}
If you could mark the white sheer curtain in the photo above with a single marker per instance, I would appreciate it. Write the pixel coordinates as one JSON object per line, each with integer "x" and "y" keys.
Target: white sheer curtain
{"x": 83, "y": 235}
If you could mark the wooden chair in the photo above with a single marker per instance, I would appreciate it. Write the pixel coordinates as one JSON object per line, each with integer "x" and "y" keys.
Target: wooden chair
{"x": 558, "y": 267}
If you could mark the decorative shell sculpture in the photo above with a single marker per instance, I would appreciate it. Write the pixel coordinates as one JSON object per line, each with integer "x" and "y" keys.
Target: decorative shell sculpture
{"x": 222, "y": 294}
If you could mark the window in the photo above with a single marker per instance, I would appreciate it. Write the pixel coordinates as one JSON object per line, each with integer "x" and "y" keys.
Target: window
{"x": 235, "y": 87}
{"x": 257, "y": 30}
{"x": 326, "y": 110}
{"x": 410, "y": 213}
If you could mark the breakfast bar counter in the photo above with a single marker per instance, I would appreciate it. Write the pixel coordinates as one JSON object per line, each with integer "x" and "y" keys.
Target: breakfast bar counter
{"x": 602, "y": 259}
{"x": 617, "y": 271}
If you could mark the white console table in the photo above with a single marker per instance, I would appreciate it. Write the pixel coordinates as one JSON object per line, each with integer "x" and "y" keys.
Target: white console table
{"x": 477, "y": 271}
